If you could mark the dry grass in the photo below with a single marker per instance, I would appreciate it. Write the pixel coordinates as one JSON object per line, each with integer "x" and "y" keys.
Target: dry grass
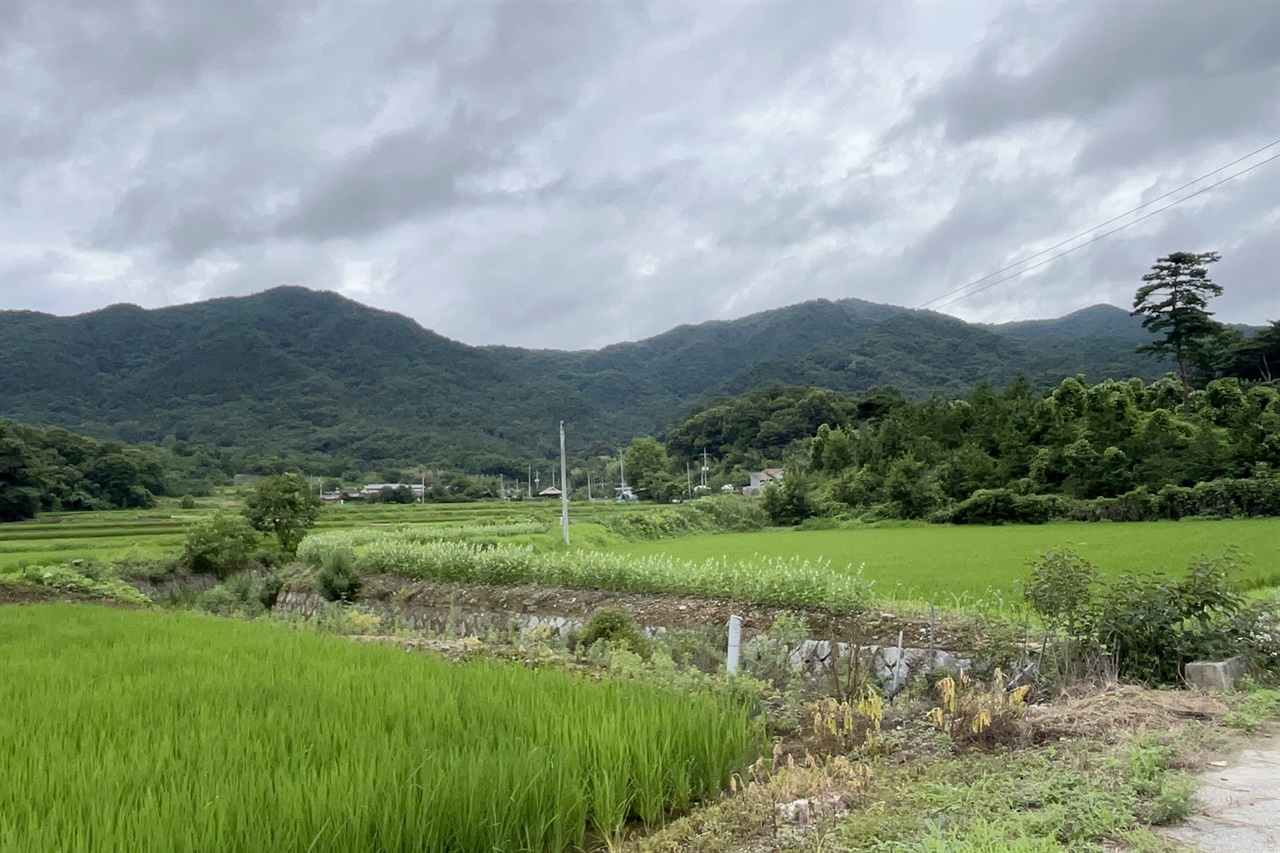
{"x": 1111, "y": 712}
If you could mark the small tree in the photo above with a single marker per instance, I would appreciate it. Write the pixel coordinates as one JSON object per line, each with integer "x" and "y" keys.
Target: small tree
{"x": 283, "y": 504}
{"x": 219, "y": 545}
{"x": 649, "y": 470}
{"x": 1060, "y": 591}
{"x": 1172, "y": 302}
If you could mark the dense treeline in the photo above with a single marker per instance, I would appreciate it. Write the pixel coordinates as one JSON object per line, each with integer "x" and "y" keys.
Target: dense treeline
{"x": 43, "y": 469}
{"x": 53, "y": 469}
{"x": 990, "y": 455}
{"x": 1123, "y": 450}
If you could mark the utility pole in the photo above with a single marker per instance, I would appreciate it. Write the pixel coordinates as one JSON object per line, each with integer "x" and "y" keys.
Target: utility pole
{"x": 688, "y": 480}
{"x": 622, "y": 475}
{"x": 530, "y": 479}
{"x": 705, "y": 468}
{"x": 564, "y": 492}
{"x": 589, "y": 498}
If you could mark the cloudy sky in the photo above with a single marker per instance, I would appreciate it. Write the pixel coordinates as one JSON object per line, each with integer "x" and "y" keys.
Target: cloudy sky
{"x": 571, "y": 174}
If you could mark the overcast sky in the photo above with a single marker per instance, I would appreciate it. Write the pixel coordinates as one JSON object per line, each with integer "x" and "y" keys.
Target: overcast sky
{"x": 572, "y": 174}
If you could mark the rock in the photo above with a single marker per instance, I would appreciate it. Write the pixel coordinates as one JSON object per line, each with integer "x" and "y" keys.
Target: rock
{"x": 809, "y": 810}
{"x": 1215, "y": 675}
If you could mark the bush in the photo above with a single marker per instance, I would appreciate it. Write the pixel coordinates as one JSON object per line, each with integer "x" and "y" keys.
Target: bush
{"x": 712, "y": 514}
{"x": 1005, "y": 506}
{"x": 616, "y": 627}
{"x": 187, "y": 502}
{"x": 1061, "y": 592}
{"x": 789, "y": 503}
{"x": 1224, "y": 498}
{"x": 1149, "y": 627}
{"x": 219, "y": 546}
{"x": 239, "y": 595}
{"x": 337, "y": 577}
{"x": 84, "y": 577}
{"x": 1153, "y": 625}
{"x": 271, "y": 585}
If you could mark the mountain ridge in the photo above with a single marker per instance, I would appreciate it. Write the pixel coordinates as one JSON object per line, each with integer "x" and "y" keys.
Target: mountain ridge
{"x": 314, "y": 374}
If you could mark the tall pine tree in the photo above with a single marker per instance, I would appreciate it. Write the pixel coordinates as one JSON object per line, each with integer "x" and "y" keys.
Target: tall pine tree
{"x": 1172, "y": 302}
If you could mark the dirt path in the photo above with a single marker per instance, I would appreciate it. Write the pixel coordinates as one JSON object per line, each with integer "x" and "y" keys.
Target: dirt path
{"x": 1238, "y": 806}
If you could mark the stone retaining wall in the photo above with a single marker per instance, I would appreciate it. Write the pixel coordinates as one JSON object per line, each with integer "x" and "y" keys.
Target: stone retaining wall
{"x": 816, "y": 656}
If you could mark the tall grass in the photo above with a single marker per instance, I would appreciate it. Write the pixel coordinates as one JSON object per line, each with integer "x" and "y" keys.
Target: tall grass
{"x": 318, "y": 543}
{"x": 160, "y": 731}
{"x": 780, "y": 581}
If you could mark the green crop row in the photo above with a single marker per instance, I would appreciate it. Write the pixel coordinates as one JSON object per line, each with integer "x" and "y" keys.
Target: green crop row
{"x": 780, "y": 581}
{"x": 318, "y": 543}
{"x": 161, "y": 731}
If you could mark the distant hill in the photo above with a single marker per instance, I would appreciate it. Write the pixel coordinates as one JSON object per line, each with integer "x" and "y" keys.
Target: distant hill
{"x": 319, "y": 377}
{"x": 848, "y": 345}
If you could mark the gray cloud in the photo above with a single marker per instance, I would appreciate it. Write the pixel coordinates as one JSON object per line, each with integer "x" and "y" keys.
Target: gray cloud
{"x": 559, "y": 174}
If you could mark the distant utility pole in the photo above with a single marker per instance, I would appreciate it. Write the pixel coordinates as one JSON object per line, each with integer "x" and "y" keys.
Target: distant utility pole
{"x": 688, "y": 480}
{"x": 564, "y": 492}
{"x": 705, "y": 468}
{"x": 530, "y": 479}
{"x": 622, "y": 475}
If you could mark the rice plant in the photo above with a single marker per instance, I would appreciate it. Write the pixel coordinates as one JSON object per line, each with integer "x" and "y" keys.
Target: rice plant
{"x": 170, "y": 731}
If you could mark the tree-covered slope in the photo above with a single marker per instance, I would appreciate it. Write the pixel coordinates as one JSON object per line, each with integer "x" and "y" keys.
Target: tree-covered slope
{"x": 322, "y": 378}
{"x": 848, "y": 345}
{"x": 289, "y": 369}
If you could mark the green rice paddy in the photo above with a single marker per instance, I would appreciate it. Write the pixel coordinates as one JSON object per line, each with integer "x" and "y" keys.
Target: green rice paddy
{"x": 957, "y": 563}
{"x": 129, "y": 730}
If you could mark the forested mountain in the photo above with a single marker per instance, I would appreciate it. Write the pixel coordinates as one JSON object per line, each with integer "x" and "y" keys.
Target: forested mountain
{"x": 849, "y": 345}
{"x": 337, "y": 386}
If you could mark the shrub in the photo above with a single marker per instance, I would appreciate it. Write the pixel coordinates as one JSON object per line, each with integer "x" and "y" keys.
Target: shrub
{"x": 971, "y": 712}
{"x": 1150, "y": 626}
{"x": 1001, "y": 506}
{"x": 82, "y": 577}
{"x": 1060, "y": 591}
{"x": 616, "y": 627}
{"x": 269, "y": 591}
{"x": 789, "y": 503}
{"x": 187, "y": 502}
{"x": 711, "y": 514}
{"x": 1223, "y": 498}
{"x": 238, "y": 595}
{"x": 219, "y": 546}
{"x": 986, "y": 506}
{"x": 337, "y": 577}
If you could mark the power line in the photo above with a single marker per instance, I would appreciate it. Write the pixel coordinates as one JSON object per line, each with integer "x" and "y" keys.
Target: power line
{"x": 1103, "y": 224}
{"x": 1100, "y": 236}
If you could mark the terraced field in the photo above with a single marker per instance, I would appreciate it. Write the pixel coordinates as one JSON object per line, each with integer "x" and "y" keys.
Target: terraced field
{"x": 123, "y": 534}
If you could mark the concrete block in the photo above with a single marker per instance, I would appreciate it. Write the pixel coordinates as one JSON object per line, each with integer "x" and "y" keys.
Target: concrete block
{"x": 1216, "y": 675}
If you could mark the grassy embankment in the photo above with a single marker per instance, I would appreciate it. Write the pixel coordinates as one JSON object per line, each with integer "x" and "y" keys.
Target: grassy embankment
{"x": 155, "y": 731}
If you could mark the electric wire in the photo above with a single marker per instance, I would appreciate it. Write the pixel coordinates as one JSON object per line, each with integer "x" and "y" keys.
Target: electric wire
{"x": 1095, "y": 239}
{"x": 1104, "y": 224}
